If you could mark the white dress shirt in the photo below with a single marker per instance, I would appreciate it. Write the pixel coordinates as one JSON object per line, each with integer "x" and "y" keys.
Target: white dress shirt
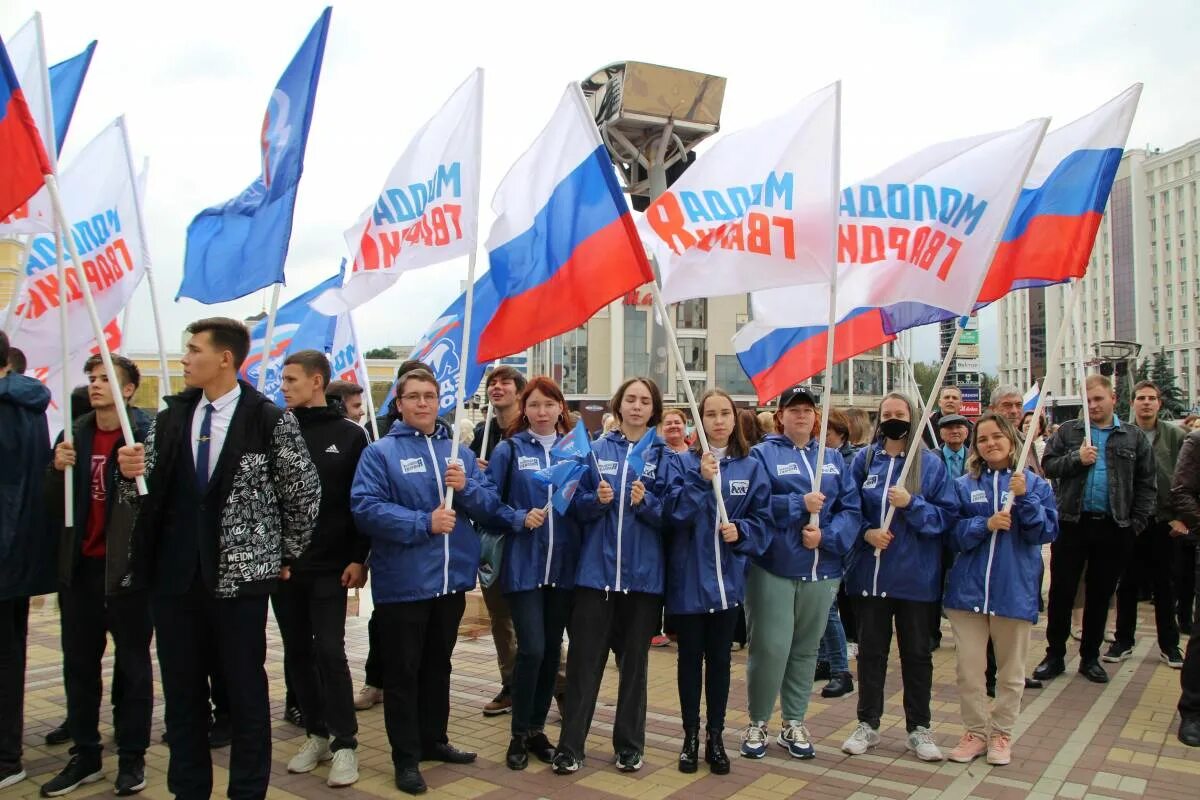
{"x": 223, "y": 408}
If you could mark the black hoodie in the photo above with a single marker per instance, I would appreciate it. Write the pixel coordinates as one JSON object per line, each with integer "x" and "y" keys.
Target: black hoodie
{"x": 335, "y": 444}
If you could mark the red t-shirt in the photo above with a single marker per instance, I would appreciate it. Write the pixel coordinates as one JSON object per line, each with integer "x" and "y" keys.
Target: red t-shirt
{"x": 103, "y": 443}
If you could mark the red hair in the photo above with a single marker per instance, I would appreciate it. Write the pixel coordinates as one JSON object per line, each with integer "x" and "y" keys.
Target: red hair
{"x": 550, "y": 389}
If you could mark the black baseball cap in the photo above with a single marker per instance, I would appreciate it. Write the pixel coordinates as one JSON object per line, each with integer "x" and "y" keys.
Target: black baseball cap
{"x": 803, "y": 393}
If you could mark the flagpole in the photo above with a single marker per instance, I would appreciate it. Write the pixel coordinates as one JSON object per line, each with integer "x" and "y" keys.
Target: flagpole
{"x": 1078, "y": 325}
{"x": 460, "y": 393}
{"x": 915, "y": 441}
{"x": 165, "y": 384}
{"x": 680, "y": 368}
{"x": 68, "y": 423}
{"x": 270, "y": 336}
{"x": 814, "y": 519}
{"x": 114, "y": 379}
{"x": 1052, "y": 365}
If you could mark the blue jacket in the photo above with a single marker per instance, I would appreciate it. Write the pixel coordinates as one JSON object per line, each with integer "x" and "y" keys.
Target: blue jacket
{"x": 27, "y": 548}
{"x": 399, "y": 482}
{"x": 548, "y": 555}
{"x": 621, "y": 545}
{"x": 790, "y": 471}
{"x": 911, "y": 567}
{"x": 1000, "y": 573}
{"x": 705, "y": 573}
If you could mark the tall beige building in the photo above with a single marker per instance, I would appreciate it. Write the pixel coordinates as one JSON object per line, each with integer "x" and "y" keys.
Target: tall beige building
{"x": 1142, "y": 283}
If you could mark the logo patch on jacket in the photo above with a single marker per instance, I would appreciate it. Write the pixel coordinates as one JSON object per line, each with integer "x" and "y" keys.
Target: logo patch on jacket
{"x": 791, "y": 468}
{"x": 738, "y": 488}
{"x": 871, "y": 482}
{"x": 607, "y": 467}
{"x": 978, "y": 496}
{"x": 411, "y": 465}
{"x": 649, "y": 469}
{"x": 1004, "y": 497}
{"x": 829, "y": 469}
{"x": 529, "y": 462}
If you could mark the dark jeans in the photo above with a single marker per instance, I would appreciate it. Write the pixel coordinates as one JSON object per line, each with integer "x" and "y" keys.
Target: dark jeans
{"x": 416, "y": 641}
{"x": 373, "y": 667}
{"x": 311, "y": 611}
{"x": 912, "y": 620}
{"x": 1151, "y": 562}
{"x": 539, "y": 617}
{"x": 1184, "y": 576}
{"x": 1104, "y": 548}
{"x": 1189, "y": 679}
{"x": 86, "y": 615}
{"x": 600, "y": 619}
{"x": 189, "y": 627}
{"x": 704, "y": 642}
{"x": 14, "y": 630}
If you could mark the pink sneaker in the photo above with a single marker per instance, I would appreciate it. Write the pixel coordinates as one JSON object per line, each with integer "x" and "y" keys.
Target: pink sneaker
{"x": 999, "y": 751}
{"x": 970, "y": 747}
{"x": 661, "y": 640}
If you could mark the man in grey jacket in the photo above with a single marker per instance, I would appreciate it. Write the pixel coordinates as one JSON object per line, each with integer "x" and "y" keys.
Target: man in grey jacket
{"x": 1106, "y": 497}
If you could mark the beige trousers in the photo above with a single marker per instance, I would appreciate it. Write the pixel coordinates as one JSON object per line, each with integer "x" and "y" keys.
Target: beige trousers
{"x": 1010, "y": 638}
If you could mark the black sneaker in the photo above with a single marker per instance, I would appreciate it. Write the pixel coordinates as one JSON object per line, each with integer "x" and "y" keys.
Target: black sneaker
{"x": 839, "y": 685}
{"x": 59, "y": 735}
{"x": 1173, "y": 658}
{"x": 79, "y": 771}
{"x": 566, "y": 764}
{"x": 1118, "y": 652}
{"x": 131, "y": 775}
{"x": 220, "y": 734}
{"x": 540, "y": 746}
{"x": 293, "y": 715}
{"x": 629, "y": 761}
{"x": 11, "y": 776}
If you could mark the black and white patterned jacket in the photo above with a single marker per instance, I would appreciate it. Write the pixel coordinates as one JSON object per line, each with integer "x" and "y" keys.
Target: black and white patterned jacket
{"x": 262, "y": 499}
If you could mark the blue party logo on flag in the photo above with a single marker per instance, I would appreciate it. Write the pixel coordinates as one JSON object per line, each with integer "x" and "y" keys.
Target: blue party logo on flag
{"x": 440, "y": 352}
{"x": 276, "y": 132}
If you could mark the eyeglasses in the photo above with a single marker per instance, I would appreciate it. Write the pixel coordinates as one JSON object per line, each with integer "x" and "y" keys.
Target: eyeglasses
{"x": 419, "y": 398}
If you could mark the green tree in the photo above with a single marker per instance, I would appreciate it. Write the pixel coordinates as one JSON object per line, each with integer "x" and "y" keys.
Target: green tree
{"x": 381, "y": 352}
{"x": 926, "y": 373}
{"x": 1174, "y": 404}
{"x": 987, "y": 383}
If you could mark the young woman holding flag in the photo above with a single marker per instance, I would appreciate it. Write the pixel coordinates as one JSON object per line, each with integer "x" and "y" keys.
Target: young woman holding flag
{"x": 790, "y": 587}
{"x": 992, "y": 591}
{"x": 895, "y": 577}
{"x": 706, "y": 566}
{"x": 619, "y": 581}
{"x": 537, "y": 570}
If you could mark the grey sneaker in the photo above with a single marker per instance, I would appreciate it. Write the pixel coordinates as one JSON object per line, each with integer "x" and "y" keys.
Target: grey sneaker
{"x": 920, "y": 741}
{"x": 861, "y": 740}
{"x": 344, "y": 769}
{"x": 314, "y": 750}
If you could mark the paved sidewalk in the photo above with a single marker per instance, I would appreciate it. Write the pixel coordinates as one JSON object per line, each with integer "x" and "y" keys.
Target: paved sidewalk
{"x": 1075, "y": 739}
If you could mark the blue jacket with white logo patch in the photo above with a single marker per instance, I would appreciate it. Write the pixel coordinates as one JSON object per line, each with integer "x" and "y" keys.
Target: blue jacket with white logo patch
{"x": 1000, "y": 573}
{"x": 546, "y": 556}
{"x": 704, "y": 572}
{"x": 398, "y": 484}
{"x": 621, "y": 545}
{"x": 791, "y": 470}
{"x": 911, "y": 567}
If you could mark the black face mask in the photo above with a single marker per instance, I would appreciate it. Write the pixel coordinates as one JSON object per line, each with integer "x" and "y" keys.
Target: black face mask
{"x": 895, "y": 429}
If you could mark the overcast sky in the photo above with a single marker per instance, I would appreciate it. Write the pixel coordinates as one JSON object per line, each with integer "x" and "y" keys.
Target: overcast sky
{"x": 193, "y": 80}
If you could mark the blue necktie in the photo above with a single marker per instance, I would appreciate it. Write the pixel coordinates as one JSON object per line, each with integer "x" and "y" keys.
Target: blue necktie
{"x": 202, "y": 449}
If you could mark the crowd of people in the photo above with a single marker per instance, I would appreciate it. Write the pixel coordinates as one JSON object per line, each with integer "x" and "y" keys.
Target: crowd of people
{"x": 757, "y": 539}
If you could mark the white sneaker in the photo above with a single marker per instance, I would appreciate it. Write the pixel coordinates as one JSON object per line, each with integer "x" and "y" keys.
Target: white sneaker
{"x": 863, "y": 739}
{"x": 852, "y": 650}
{"x": 344, "y": 769}
{"x": 314, "y": 750}
{"x": 920, "y": 741}
{"x": 8, "y": 779}
{"x": 367, "y": 697}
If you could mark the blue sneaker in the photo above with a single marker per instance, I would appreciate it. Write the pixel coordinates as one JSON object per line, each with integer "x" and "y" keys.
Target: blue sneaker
{"x": 796, "y": 739}
{"x": 754, "y": 740}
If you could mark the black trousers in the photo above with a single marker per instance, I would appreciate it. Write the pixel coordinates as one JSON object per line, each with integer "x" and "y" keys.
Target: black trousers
{"x": 86, "y": 616}
{"x": 539, "y": 618}
{"x": 373, "y": 667}
{"x": 1184, "y": 577}
{"x": 1151, "y": 563}
{"x": 704, "y": 642}
{"x": 846, "y": 610}
{"x": 626, "y": 621}
{"x": 1189, "y": 679}
{"x": 188, "y": 627}
{"x": 311, "y": 611}
{"x": 876, "y": 616}
{"x": 416, "y": 641}
{"x": 14, "y": 631}
{"x": 1098, "y": 544}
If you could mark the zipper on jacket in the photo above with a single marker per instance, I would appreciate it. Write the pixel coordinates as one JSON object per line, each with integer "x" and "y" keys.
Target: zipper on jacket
{"x": 882, "y": 515}
{"x": 550, "y": 521}
{"x": 437, "y": 476}
{"x": 987, "y": 575}
{"x": 717, "y": 560}
{"x": 812, "y": 481}
{"x": 621, "y": 511}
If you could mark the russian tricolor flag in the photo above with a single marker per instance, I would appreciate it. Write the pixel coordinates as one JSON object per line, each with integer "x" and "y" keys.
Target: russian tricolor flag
{"x": 23, "y": 162}
{"x": 564, "y": 243}
{"x": 1051, "y": 231}
{"x": 776, "y": 358}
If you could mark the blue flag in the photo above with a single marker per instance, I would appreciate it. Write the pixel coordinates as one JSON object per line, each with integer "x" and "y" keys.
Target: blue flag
{"x": 441, "y": 345}
{"x": 565, "y": 477}
{"x": 637, "y": 456}
{"x": 576, "y": 444}
{"x": 239, "y": 247}
{"x": 66, "y": 81}
{"x": 298, "y": 326}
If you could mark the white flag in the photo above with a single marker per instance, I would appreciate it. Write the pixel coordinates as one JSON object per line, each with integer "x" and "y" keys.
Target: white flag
{"x": 51, "y": 375}
{"x": 345, "y": 359}
{"x": 99, "y": 201}
{"x": 757, "y": 211}
{"x": 24, "y": 51}
{"x": 428, "y": 209}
